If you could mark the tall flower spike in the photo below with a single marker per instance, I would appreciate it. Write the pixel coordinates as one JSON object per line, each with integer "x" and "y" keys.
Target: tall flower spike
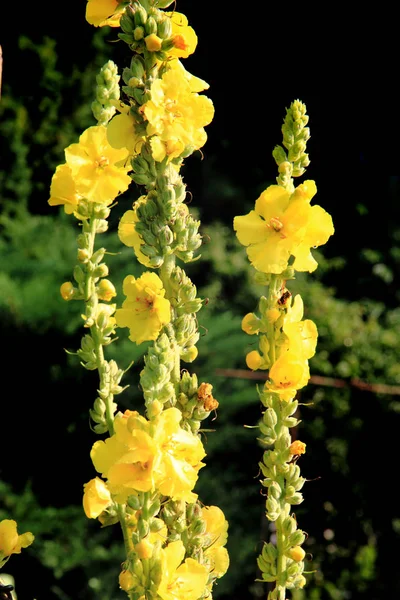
{"x": 148, "y": 465}
{"x": 278, "y": 235}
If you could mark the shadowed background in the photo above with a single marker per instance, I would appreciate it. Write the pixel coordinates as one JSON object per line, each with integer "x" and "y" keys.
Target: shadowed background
{"x": 255, "y": 68}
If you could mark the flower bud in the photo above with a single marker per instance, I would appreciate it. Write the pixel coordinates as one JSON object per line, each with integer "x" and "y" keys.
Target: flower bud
{"x": 296, "y": 538}
{"x": 296, "y": 448}
{"x": 134, "y": 502}
{"x": 138, "y": 33}
{"x": 189, "y": 354}
{"x": 254, "y": 360}
{"x": 126, "y": 580}
{"x": 153, "y": 42}
{"x": 83, "y": 255}
{"x": 101, "y": 271}
{"x": 144, "y": 549}
{"x": 251, "y": 324}
{"x": 67, "y": 291}
{"x": 296, "y": 553}
{"x": 106, "y": 290}
{"x": 154, "y": 409}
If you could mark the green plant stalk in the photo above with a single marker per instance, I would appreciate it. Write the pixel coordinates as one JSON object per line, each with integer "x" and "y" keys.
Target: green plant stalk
{"x": 275, "y": 285}
{"x": 90, "y": 227}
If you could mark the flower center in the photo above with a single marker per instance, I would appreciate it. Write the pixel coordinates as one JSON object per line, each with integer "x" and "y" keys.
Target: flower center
{"x": 102, "y": 162}
{"x": 275, "y": 224}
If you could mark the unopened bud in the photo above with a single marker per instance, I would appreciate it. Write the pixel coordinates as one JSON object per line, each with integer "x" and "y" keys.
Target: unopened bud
{"x": 153, "y": 42}
{"x": 297, "y": 448}
{"x": 106, "y": 290}
{"x": 126, "y": 580}
{"x": 297, "y": 553}
{"x": 144, "y": 549}
{"x": 67, "y": 290}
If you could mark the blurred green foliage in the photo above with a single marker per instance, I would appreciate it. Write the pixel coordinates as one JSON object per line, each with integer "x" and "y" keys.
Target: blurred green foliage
{"x": 350, "y": 516}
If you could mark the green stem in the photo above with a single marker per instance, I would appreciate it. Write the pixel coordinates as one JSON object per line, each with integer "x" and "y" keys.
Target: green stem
{"x": 166, "y": 271}
{"x": 101, "y": 367}
{"x": 125, "y": 531}
{"x": 273, "y": 288}
{"x": 127, "y": 538}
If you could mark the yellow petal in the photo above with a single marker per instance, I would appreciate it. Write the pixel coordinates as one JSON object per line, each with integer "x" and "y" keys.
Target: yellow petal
{"x": 101, "y": 12}
{"x": 272, "y": 202}
{"x": 96, "y": 497}
{"x": 271, "y": 255}
{"x": 63, "y": 189}
{"x": 250, "y": 228}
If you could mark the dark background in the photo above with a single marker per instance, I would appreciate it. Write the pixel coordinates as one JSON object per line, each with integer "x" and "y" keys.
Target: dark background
{"x": 257, "y": 59}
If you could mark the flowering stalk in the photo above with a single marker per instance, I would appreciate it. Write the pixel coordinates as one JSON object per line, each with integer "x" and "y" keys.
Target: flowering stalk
{"x": 149, "y": 465}
{"x": 278, "y": 235}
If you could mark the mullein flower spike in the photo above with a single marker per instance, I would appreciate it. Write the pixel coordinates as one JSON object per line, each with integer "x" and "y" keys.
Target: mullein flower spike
{"x": 148, "y": 465}
{"x": 278, "y": 235}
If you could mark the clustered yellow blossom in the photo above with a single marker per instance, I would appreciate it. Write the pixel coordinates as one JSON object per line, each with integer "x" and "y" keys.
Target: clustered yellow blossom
{"x": 296, "y": 344}
{"x": 290, "y": 371}
{"x": 94, "y": 171}
{"x": 176, "y": 113}
{"x": 284, "y": 225}
{"x": 145, "y": 310}
{"x": 151, "y": 455}
{"x": 181, "y": 580}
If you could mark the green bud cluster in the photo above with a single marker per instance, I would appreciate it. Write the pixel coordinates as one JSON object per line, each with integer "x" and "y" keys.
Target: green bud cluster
{"x": 295, "y": 136}
{"x": 138, "y": 23}
{"x": 144, "y": 564}
{"x": 267, "y": 562}
{"x": 110, "y": 386}
{"x": 89, "y": 276}
{"x": 165, "y": 224}
{"x": 185, "y": 522}
{"x": 107, "y": 92}
{"x": 155, "y": 377}
{"x": 188, "y": 401}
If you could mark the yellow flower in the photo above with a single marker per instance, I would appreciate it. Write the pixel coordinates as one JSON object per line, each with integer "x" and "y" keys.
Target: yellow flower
{"x": 195, "y": 83}
{"x": 63, "y": 189}
{"x": 143, "y": 456}
{"x": 288, "y": 374}
{"x": 10, "y": 541}
{"x": 145, "y": 310}
{"x": 184, "y": 36}
{"x": 283, "y": 225}
{"x": 126, "y": 458}
{"x": 121, "y": 132}
{"x": 296, "y": 448}
{"x": 176, "y": 115}
{"x": 301, "y": 335}
{"x": 127, "y": 232}
{"x": 181, "y": 580}
{"x": 179, "y": 460}
{"x": 104, "y": 12}
{"x": 96, "y": 497}
{"x": 100, "y": 172}
{"x": 217, "y": 531}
